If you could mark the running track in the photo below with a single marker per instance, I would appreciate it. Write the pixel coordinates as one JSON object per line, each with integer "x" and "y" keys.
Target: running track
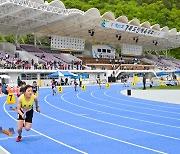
{"x": 95, "y": 121}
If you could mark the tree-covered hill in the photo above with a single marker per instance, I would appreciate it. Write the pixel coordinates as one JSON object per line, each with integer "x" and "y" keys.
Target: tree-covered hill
{"x": 163, "y": 12}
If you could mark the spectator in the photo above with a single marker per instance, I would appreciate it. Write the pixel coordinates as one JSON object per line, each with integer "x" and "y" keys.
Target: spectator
{"x": 75, "y": 85}
{"x": 66, "y": 81}
{"x": 4, "y": 89}
{"x": 32, "y": 62}
{"x": 80, "y": 81}
{"x": 62, "y": 82}
{"x": 144, "y": 82}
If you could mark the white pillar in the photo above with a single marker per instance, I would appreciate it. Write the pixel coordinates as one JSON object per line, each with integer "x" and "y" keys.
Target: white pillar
{"x": 35, "y": 41}
{"x": 22, "y": 39}
{"x": 16, "y": 39}
{"x": 166, "y": 53}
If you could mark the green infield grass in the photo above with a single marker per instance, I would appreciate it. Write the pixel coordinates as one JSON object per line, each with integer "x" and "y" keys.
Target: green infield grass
{"x": 162, "y": 87}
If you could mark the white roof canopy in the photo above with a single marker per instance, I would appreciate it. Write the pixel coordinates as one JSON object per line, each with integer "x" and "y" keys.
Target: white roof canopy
{"x": 47, "y": 19}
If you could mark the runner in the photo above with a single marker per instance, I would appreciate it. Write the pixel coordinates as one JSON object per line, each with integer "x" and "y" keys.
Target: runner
{"x": 25, "y": 110}
{"x": 53, "y": 83}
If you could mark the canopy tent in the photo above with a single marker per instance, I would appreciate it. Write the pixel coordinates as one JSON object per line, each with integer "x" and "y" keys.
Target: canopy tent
{"x": 75, "y": 77}
{"x": 55, "y": 74}
{"x": 5, "y": 76}
{"x": 68, "y": 74}
{"x": 177, "y": 71}
{"x": 162, "y": 74}
{"x": 80, "y": 75}
{"x": 83, "y": 75}
{"x": 62, "y": 73}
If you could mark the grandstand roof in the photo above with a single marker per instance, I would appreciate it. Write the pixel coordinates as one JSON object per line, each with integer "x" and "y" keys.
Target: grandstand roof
{"x": 47, "y": 19}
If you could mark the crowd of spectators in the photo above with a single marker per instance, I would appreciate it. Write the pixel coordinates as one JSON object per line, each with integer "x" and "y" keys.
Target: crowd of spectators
{"x": 14, "y": 62}
{"x": 10, "y": 61}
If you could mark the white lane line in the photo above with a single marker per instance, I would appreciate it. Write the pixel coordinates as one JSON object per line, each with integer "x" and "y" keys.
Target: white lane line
{"x": 146, "y": 121}
{"x": 122, "y": 126}
{"x": 12, "y": 111}
{"x": 154, "y": 115}
{"x": 136, "y": 102}
{"x": 66, "y": 145}
{"x": 105, "y": 136}
{"x": 6, "y": 138}
{"x": 82, "y": 114}
{"x": 3, "y": 151}
{"x": 133, "y": 105}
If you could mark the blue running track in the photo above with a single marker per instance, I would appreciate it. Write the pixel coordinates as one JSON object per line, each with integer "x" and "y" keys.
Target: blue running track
{"x": 95, "y": 121}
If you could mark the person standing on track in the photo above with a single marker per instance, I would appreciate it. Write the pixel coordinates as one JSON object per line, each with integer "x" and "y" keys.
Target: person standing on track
{"x": 80, "y": 81}
{"x": 75, "y": 85}
{"x": 144, "y": 81}
{"x": 53, "y": 83}
{"x": 22, "y": 89}
{"x": 25, "y": 110}
{"x": 99, "y": 82}
{"x": 35, "y": 88}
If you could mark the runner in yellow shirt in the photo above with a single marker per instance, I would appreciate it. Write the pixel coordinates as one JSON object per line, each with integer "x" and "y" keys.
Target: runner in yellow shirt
{"x": 25, "y": 110}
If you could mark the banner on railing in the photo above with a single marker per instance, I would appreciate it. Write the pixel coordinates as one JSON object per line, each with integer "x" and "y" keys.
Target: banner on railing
{"x": 132, "y": 28}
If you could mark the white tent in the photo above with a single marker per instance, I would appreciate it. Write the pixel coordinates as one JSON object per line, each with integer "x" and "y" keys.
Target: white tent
{"x": 5, "y": 76}
{"x": 56, "y": 74}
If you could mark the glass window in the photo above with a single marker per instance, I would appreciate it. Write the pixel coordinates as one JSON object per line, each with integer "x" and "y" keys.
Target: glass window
{"x": 29, "y": 76}
{"x": 44, "y": 76}
{"x": 23, "y": 76}
{"x": 99, "y": 50}
{"x": 108, "y": 51}
{"x": 104, "y": 50}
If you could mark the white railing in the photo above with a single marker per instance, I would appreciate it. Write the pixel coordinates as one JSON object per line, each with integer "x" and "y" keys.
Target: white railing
{"x": 3, "y": 1}
{"x": 43, "y": 7}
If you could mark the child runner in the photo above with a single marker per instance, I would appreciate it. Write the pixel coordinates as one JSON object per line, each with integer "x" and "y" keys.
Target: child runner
{"x": 25, "y": 110}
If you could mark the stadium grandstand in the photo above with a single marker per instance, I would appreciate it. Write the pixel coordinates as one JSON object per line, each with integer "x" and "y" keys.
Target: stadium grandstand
{"x": 74, "y": 35}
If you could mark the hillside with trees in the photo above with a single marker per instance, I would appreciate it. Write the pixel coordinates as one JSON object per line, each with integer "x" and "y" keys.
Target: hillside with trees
{"x": 163, "y": 12}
